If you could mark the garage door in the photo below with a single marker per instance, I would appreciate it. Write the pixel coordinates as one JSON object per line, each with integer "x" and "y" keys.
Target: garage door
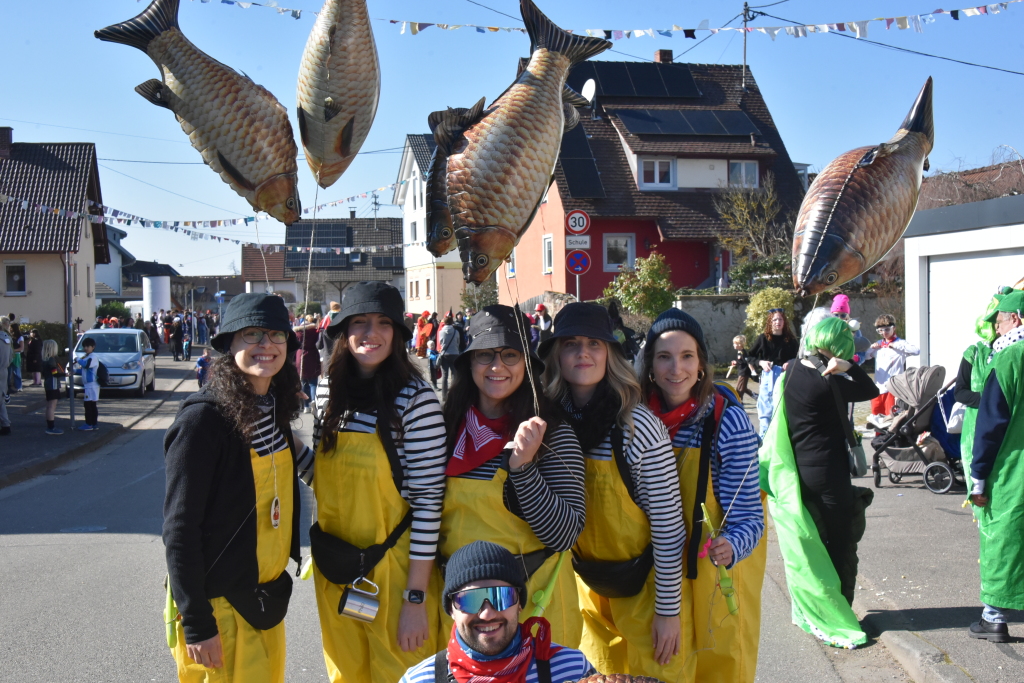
{"x": 959, "y": 288}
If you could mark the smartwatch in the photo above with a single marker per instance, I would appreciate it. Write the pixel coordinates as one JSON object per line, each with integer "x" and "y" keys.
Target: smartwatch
{"x": 415, "y": 597}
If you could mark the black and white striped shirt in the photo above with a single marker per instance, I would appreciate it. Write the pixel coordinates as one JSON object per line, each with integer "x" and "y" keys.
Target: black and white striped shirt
{"x": 552, "y": 496}
{"x": 421, "y": 449}
{"x": 652, "y": 463}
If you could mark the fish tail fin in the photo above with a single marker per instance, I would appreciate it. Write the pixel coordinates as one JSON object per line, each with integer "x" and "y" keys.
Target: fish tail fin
{"x": 571, "y": 97}
{"x": 160, "y": 16}
{"x": 919, "y": 119}
{"x": 544, "y": 33}
{"x": 449, "y": 124}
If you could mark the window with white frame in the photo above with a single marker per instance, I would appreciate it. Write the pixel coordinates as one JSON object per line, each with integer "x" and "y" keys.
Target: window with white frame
{"x": 510, "y": 270}
{"x": 423, "y": 199}
{"x": 743, "y": 174}
{"x": 547, "y": 254}
{"x": 15, "y": 279}
{"x": 656, "y": 174}
{"x": 88, "y": 281}
{"x": 414, "y": 193}
{"x": 619, "y": 252}
{"x": 412, "y": 227}
{"x": 417, "y": 289}
{"x": 428, "y": 287}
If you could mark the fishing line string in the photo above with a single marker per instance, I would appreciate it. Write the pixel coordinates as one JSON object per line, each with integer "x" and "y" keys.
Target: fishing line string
{"x": 266, "y": 273}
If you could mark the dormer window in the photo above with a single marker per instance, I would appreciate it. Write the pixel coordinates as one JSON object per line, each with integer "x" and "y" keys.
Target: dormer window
{"x": 743, "y": 174}
{"x": 656, "y": 174}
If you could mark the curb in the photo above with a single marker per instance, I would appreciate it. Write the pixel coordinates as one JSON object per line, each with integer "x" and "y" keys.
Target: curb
{"x": 924, "y": 662}
{"x": 56, "y": 461}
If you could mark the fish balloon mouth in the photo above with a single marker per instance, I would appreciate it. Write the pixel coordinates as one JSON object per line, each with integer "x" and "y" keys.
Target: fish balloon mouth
{"x": 279, "y": 196}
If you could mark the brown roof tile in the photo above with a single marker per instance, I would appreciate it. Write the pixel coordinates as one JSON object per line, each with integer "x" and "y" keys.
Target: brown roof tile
{"x": 973, "y": 185}
{"x": 253, "y": 265}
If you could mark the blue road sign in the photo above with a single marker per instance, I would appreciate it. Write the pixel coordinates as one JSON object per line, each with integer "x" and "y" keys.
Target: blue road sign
{"x": 577, "y": 262}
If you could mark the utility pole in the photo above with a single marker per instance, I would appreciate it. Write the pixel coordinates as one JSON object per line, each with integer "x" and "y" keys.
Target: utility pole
{"x": 746, "y": 17}
{"x": 71, "y": 335}
{"x": 376, "y": 207}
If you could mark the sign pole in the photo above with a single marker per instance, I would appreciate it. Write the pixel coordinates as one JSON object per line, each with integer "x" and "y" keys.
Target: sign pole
{"x": 578, "y": 288}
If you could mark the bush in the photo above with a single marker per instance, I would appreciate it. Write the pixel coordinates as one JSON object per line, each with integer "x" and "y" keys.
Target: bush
{"x": 113, "y": 308}
{"x": 58, "y": 332}
{"x": 761, "y": 303}
{"x": 309, "y": 307}
{"x": 647, "y": 289}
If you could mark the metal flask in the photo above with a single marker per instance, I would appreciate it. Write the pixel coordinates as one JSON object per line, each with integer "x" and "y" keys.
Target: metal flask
{"x": 360, "y": 604}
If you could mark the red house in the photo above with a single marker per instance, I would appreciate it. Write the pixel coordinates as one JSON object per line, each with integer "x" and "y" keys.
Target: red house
{"x": 660, "y": 140}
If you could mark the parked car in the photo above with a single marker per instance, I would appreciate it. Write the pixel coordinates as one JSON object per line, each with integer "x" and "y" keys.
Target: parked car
{"x": 128, "y": 356}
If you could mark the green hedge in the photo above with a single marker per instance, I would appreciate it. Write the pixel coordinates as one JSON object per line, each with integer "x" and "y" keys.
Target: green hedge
{"x": 58, "y": 332}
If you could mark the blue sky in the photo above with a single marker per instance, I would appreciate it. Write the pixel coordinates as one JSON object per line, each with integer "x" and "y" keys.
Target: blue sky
{"x": 827, "y": 94}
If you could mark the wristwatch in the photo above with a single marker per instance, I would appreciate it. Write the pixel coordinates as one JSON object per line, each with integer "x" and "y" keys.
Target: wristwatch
{"x": 415, "y": 597}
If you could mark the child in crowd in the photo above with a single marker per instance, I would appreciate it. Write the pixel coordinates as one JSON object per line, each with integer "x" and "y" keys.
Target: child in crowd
{"x": 187, "y": 345}
{"x": 203, "y": 367}
{"x": 432, "y": 356}
{"x": 890, "y": 354}
{"x": 52, "y": 376}
{"x": 90, "y": 384}
{"x": 742, "y": 365}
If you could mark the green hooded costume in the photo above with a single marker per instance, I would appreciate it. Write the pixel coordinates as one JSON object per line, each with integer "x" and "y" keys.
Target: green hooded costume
{"x": 980, "y": 357}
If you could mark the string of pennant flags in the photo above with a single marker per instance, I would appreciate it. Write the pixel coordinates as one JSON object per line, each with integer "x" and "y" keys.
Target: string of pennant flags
{"x": 858, "y": 28}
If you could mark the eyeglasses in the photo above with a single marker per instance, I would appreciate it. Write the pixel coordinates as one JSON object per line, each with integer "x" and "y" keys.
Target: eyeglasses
{"x": 509, "y": 357}
{"x": 776, "y": 310}
{"x": 842, "y": 316}
{"x": 472, "y": 601}
{"x": 254, "y": 335}
{"x": 883, "y": 328}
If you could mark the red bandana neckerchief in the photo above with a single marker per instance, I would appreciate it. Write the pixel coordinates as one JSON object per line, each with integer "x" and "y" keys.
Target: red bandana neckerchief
{"x": 674, "y": 418}
{"x": 511, "y": 669}
{"x": 480, "y": 439}
{"x": 883, "y": 342}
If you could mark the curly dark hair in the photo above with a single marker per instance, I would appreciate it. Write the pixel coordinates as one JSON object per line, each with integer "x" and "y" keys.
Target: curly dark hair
{"x": 393, "y": 375}
{"x": 464, "y": 393}
{"x": 787, "y": 328}
{"x": 236, "y": 399}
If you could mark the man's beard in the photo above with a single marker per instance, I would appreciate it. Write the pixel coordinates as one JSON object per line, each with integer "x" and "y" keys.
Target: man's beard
{"x": 496, "y": 641}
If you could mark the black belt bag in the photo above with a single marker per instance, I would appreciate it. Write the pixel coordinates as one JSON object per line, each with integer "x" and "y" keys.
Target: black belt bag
{"x": 341, "y": 562}
{"x": 265, "y": 605}
{"x": 616, "y": 579}
{"x": 530, "y": 562}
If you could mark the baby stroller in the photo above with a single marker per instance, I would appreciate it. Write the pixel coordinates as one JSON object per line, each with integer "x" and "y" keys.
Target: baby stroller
{"x": 896, "y": 447}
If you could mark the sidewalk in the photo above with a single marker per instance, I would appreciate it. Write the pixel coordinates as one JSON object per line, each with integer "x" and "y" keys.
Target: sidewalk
{"x": 28, "y": 451}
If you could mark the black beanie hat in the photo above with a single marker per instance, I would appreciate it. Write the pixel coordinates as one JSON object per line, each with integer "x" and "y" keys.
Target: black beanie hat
{"x": 675, "y": 319}
{"x": 370, "y": 296}
{"x": 482, "y": 561}
{"x": 254, "y": 310}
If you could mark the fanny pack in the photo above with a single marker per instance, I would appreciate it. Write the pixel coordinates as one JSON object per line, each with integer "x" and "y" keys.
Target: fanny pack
{"x": 264, "y": 606}
{"x": 530, "y": 562}
{"x": 341, "y": 562}
{"x": 616, "y": 579}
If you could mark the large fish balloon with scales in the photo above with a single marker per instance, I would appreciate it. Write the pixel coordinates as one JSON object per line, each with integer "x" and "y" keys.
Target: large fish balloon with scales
{"x": 241, "y": 129}
{"x": 492, "y": 165}
{"x": 861, "y": 203}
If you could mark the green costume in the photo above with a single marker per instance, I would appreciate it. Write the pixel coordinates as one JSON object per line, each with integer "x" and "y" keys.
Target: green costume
{"x": 819, "y": 607}
{"x": 980, "y": 357}
{"x": 1001, "y": 522}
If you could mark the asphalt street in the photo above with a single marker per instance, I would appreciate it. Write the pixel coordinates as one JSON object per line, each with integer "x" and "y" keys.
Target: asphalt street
{"x": 82, "y": 568}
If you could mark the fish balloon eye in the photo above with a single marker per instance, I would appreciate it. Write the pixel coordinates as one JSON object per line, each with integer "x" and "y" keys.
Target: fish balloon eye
{"x": 831, "y": 278}
{"x": 481, "y": 260}
{"x": 290, "y": 203}
{"x": 446, "y": 233}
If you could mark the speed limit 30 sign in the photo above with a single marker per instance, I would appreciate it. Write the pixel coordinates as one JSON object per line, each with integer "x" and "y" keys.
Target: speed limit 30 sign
{"x": 577, "y": 222}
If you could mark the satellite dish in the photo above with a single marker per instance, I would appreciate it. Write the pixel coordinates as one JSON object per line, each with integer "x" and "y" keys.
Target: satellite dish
{"x": 589, "y": 88}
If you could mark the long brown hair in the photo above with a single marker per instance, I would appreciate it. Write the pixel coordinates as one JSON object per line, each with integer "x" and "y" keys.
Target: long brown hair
{"x": 237, "y": 400}
{"x": 390, "y": 378}
{"x": 787, "y": 329}
{"x": 702, "y": 390}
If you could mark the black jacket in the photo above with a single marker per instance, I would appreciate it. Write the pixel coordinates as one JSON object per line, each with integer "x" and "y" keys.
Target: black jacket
{"x": 777, "y": 350}
{"x": 209, "y": 497}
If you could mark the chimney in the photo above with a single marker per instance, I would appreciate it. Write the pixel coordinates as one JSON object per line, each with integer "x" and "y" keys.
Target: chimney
{"x": 6, "y": 134}
{"x": 663, "y": 56}
{"x": 351, "y": 212}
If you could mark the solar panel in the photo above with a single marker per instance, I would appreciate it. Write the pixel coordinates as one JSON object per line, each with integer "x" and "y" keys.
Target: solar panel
{"x": 583, "y": 178}
{"x": 672, "y": 122}
{"x": 736, "y": 122}
{"x": 575, "y": 145}
{"x": 704, "y": 123}
{"x": 613, "y": 79}
{"x": 638, "y": 121}
{"x": 679, "y": 81}
{"x": 646, "y": 80}
{"x": 580, "y": 74}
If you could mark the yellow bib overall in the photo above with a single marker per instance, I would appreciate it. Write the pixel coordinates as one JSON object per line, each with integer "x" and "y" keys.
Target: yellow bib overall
{"x": 357, "y": 502}
{"x": 474, "y": 510}
{"x": 251, "y": 655}
{"x": 725, "y": 645}
{"x": 617, "y": 631}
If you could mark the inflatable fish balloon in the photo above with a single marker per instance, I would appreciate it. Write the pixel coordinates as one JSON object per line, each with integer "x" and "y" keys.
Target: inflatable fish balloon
{"x": 491, "y": 167}
{"x": 858, "y": 207}
{"x": 241, "y": 130}
{"x": 339, "y": 86}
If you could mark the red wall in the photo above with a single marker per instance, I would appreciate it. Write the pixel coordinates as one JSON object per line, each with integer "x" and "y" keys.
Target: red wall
{"x": 690, "y": 260}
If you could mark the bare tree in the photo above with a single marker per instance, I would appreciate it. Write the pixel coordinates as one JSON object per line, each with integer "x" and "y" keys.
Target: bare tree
{"x": 752, "y": 226}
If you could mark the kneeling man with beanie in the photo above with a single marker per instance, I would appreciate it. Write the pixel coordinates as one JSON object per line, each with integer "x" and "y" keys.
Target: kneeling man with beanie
{"x": 484, "y": 591}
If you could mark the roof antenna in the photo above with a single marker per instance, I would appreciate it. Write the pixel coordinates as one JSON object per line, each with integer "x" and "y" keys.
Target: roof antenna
{"x": 747, "y": 16}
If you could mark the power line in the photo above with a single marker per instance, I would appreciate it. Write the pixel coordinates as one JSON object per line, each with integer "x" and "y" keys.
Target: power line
{"x": 89, "y": 130}
{"x": 901, "y": 49}
{"x": 494, "y": 10}
{"x": 388, "y": 150}
{"x": 645, "y": 59}
{"x": 169, "y": 191}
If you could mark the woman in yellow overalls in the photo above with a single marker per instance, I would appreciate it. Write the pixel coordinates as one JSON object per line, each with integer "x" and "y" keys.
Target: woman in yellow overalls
{"x": 231, "y": 509}
{"x": 379, "y": 481}
{"x": 514, "y": 478}
{"x": 716, "y": 449}
{"x": 631, "y": 621}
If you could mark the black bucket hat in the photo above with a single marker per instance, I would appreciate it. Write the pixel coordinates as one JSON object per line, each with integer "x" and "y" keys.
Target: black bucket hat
{"x": 370, "y": 296}
{"x": 581, "y": 320}
{"x": 495, "y": 327}
{"x": 254, "y": 310}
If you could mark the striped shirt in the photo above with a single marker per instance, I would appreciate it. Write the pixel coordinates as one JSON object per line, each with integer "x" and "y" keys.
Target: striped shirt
{"x": 735, "y": 477}
{"x": 652, "y": 463}
{"x": 552, "y": 496}
{"x": 267, "y": 438}
{"x": 566, "y": 665}
{"x": 421, "y": 450}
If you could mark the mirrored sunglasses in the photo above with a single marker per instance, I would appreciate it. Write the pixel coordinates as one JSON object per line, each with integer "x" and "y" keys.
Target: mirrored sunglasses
{"x": 509, "y": 357}
{"x": 472, "y": 601}
{"x": 255, "y": 336}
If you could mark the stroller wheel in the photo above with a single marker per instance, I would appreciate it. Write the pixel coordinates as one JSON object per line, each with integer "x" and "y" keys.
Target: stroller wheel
{"x": 878, "y": 476}
{"x": 938, "y": 477}
{"x": 895, "y": 477}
